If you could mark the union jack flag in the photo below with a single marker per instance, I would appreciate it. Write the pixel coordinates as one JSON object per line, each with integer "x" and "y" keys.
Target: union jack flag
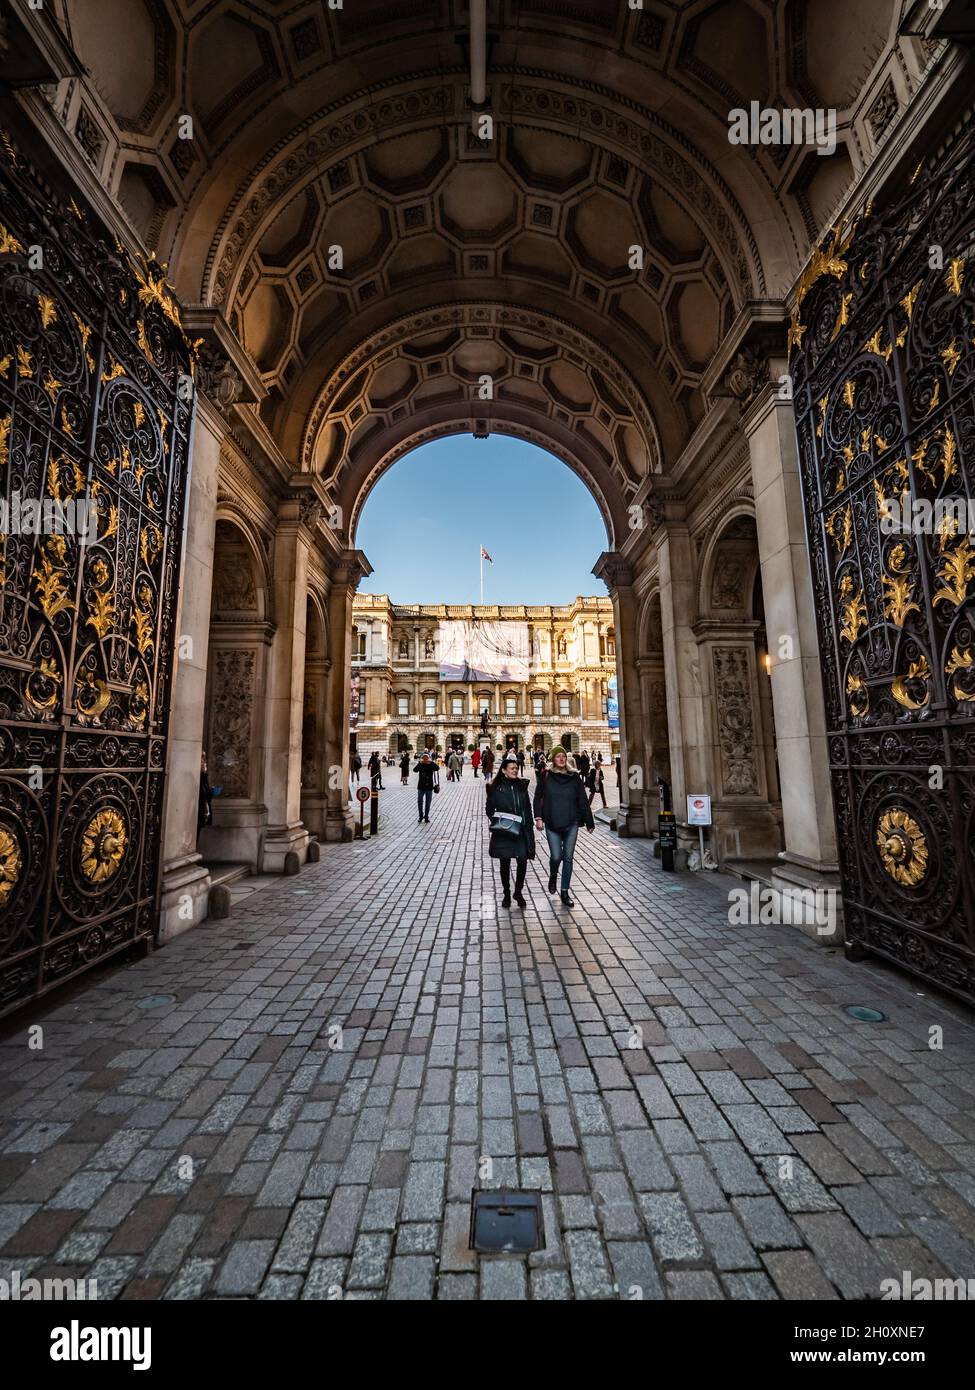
{"x": 486, "y": 556}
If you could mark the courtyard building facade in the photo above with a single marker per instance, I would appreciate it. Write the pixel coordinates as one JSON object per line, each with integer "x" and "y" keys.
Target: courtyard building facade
{"x": 402, "y": 701}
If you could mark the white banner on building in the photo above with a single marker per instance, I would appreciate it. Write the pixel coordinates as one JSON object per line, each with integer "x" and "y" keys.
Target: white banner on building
{"x": 472, "y": 650}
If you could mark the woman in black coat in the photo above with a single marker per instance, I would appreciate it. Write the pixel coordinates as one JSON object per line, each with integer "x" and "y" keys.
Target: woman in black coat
{"x": 560, "y": 808}
{"x": 512, "y": 833}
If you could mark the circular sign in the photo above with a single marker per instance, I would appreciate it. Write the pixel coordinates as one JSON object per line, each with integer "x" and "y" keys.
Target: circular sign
{"x": 363, "y": 794}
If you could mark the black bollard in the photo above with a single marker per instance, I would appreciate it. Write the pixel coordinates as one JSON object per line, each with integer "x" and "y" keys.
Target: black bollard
{"x": 374, "y": 812}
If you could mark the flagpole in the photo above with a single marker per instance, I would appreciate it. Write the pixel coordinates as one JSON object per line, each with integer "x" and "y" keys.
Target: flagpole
{"x": 481, "y": 549}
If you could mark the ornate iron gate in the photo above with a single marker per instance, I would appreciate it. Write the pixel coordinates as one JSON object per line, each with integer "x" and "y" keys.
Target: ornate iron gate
{"x": 883, "y": 366}
{"x": 94, "y": 423}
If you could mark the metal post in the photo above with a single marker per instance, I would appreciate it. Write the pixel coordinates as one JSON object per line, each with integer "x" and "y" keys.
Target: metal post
{"x": 374, "y": 812}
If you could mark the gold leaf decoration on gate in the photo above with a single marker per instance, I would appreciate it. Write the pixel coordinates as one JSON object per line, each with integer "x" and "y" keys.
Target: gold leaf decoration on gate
{"x": 857, "y": 695}
{"x": 103, "y": 845}
{"x": 951, "y": 356}
{"x": 144, "y": 342}
{"x": 957, "y": 569}
{"x": 52, "y": 386}
{"x": 9, "y": 245}
{"x": 903, "y": 847}
{"x": 101, "y": 612}
{"x": 85, "y": 330}
{"x": 5, "y": 425}
{"x": 843, "y": 317}
{"x": 41, "y": 686}
{"x": 956, "y": 274}
{"x": 907, "y": 303}
{"x": 873, "y": 345}
{"x": 25, "y": 361}
{"x": 898, "y": 596}
{"x": 48, "y": 310}
{"x": 918, "y": 674}
{"x": 91, "y": 695}
{"x": 960, "y": 663}
{"x": 10, "y": 864}
{"x": 854, "y": 610}
{"x": 114, "y": 372}
{"x": 51, "y": 590}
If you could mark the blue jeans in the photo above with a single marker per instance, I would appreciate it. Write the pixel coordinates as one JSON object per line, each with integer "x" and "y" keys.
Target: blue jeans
{"x": 561, "y": 846}
{"x": 423, "y": 799}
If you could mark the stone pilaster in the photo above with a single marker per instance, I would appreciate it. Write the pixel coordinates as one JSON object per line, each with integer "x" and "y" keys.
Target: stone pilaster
{"x": 349, "y": 568}
{"x": 797, "y": 698}
{"x": 616, "y": 574}
{"x": 225, "y": 376}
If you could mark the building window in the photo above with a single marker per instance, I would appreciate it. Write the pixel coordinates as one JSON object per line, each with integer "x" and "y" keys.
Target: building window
{"x": 430, "y": 704}
{"x": 565, "y": 704}
{"x": 510, "y": 704}
{"x": 402, "y": 704}
{"x": 483, "y": 704}
{"x": 538, "y": 706}
{"x": 457, "y": 704}
{"x": 358, "y": 645}
{"x": 362, "y": 704}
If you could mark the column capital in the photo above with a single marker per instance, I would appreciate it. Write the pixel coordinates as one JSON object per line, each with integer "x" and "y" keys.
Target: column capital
{"x": 615, "y": 571}
{"x": 753, "y": 354}
{"x": 349, "y": 568}
{"x": 227, "y": 375}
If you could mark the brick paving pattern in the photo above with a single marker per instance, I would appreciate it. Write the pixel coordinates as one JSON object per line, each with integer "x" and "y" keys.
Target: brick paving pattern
{"x": 356, "y": 1049}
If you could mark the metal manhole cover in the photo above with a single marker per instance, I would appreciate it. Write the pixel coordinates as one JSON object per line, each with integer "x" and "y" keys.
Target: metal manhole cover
{"x": 506, "y": 1223}
{"x": 864, "y": 1015}
{"x": 155, "y": 1001}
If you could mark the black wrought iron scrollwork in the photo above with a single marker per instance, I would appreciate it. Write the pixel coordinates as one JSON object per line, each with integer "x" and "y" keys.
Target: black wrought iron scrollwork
{"x": 883, "y": 362}
{"x": 93, "y": 462}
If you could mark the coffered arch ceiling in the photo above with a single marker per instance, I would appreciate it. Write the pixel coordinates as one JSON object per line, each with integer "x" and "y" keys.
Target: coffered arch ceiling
{"x": 317, "y": 128}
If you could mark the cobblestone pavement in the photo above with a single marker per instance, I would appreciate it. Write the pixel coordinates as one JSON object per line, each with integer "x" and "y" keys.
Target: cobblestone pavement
{"x": 758, "y": 1145}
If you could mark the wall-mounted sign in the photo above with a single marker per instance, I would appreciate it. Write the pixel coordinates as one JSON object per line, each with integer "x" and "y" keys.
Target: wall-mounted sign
{"x": 612, "y": 704}
{"x": 354, "y": 702}
{"x": 698, "y": 809}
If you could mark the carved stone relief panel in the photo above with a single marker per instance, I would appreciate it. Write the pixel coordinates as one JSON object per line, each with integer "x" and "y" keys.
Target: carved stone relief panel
{"x": 736, "y": 722}
{"x": 234, "y": 590}
{"x": 231, "y": 719}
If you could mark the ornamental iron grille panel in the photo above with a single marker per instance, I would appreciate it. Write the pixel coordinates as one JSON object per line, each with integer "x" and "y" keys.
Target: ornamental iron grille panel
{"x": 92, "y": 411}
{"x": 883, "y": 365}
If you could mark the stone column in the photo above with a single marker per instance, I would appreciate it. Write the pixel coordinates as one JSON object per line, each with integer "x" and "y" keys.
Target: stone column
{"x": 797, "y": 693}
{"x": 186, "y": 881}
{"x": 347, "y": 570}
{"x": 618, "y": 578}
{"x": 297, "y": 517}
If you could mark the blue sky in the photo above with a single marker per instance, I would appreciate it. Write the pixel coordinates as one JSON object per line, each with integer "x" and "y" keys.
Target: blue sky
{"x": 425, "y": 520}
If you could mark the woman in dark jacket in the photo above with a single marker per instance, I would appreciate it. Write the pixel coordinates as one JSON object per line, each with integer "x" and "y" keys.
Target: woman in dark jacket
{"x": 404, "y": 769}
{"x": 560, "y": 808}
{"x": 508, "y": 806}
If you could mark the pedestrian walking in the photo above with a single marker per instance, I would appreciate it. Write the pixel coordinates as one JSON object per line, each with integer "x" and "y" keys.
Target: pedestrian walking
{"x": 404, "y": 769}
{"x": 455, "y": 765}
{"x": 596, "y": 783}
{"x": 583, "y": 764}
{"x": 487, "y": 763}
{"x": 512, "y": 833}
{"x": 560, "y": 807}
{"x": 376, "y": 772}
{"x": 427, "y": 783}
{"x": 476, "y": 760}
{"x": 355, "y": 767}
{"x": 521, "y": 762}
{"x": 204, "y": 815}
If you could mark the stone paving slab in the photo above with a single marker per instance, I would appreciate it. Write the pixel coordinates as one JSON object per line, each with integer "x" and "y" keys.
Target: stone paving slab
{"x": 355, "y": 1049}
